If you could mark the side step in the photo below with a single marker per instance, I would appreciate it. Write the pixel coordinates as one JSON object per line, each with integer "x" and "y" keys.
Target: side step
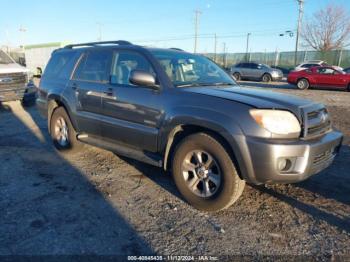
{"x": 146, "y": 157}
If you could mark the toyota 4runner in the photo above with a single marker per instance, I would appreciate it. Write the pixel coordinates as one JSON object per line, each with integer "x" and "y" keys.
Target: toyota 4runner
{"x": 182, "y": 112}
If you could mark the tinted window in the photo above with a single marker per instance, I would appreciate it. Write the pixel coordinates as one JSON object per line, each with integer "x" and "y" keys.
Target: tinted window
{"x": 124, "y": 62}
{"x": 94, "y": 66}
{"x": 245, "y": 65}
{"x": 309, "y": 65}
{"x": 56, "y": 64}
{"x": 254, "y": 66}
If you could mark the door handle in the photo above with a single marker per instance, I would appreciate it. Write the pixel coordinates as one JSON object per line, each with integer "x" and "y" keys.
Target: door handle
{"x": 75, "y": 86}
{"x": 109, "y": 92}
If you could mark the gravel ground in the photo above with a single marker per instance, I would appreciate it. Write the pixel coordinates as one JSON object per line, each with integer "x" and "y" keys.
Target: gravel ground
{"x": 98, "y": 203}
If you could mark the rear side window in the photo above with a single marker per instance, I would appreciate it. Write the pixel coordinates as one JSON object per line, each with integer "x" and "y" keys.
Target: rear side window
{"x": 308, "y": 65}
{"x": 56, "y": 64}
{"x": 94, "y": 66}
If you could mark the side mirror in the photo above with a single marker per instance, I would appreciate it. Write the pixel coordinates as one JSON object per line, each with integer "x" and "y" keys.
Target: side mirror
{"x": 142, "y": 78}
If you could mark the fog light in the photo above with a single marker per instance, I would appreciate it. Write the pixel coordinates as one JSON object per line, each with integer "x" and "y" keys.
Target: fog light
{"x": 284, "y": 164}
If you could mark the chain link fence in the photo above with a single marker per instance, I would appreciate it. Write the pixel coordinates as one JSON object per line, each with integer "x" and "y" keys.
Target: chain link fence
{"x": 284, "y": 59}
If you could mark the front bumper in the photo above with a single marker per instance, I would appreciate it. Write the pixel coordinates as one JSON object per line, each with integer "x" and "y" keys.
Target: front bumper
{"x": 261, "y": 158}
{"x": 277, "y": 78}
{"x": 26, "y": 92}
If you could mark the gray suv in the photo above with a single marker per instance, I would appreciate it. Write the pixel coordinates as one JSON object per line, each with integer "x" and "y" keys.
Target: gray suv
{"x": 255, "y": 71}
{"x": 182, "y": 112}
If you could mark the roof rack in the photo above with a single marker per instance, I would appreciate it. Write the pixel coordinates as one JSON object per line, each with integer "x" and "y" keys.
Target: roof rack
{"x": 175, "y": 48}
{"x": 119, "y": 42}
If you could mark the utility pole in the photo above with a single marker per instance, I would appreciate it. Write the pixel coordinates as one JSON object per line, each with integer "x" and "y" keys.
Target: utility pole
{"x": 247, "y": 48}
{"x": 197, "y": 13}
{"x": 22, "y": 30}
{"x": 301, "y": 10}
{"x": 215, "y": 44}
{"x": 99, "y": 31}
{"x": 224, "y": 56}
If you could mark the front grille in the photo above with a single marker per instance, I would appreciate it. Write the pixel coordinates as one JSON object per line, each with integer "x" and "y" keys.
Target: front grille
{"x": 13, "y": 80}
{"x": 323, "y": 157}
{"x": 316, "y": 121}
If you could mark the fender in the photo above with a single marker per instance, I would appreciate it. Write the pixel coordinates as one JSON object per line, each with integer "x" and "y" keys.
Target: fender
{"x": 206, "y": 119}
{"x": 54, "y": 101}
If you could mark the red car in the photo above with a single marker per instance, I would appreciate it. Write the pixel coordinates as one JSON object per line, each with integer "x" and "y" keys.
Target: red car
{"x": 321, "y": 77}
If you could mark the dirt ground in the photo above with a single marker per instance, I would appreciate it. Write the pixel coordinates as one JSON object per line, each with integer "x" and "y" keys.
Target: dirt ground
{"x": 97, "y": 203}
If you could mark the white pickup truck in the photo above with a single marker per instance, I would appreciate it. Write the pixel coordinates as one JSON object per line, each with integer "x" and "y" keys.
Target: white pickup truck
{"x": 15, "y": 81}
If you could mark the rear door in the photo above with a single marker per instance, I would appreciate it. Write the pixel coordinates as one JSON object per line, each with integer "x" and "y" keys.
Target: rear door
{"x": 89, "y": 81}
{"x": 131, "y": 114}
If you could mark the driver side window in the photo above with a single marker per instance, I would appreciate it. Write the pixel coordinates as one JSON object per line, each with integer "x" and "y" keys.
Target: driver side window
{"x": 326, "y": 71}
{"x": 124, "y": 62}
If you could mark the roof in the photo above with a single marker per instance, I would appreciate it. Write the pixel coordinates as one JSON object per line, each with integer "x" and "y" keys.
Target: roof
{"x": 118, "y": 43}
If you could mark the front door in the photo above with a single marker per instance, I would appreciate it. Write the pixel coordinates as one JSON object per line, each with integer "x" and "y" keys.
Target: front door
{"x": 131, "y": 114}
{"x": 328, "y": 77}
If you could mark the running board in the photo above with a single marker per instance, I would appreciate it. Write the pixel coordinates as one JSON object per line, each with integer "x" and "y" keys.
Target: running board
{"x": 146, "y": 157}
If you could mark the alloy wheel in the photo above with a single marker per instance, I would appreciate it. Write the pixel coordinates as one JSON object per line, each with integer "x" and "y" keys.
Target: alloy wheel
{"x": 201, "y": 173}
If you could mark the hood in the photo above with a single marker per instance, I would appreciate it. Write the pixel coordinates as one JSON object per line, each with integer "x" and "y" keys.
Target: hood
{"x": 254, "y": 97}
{"x": 12, "y": 68}
{"x": 276, "y": 70}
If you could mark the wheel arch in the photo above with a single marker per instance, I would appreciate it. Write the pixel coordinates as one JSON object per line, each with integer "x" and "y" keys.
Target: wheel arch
{"x": 54, "y": 102}
{"x": 179, "y": 132}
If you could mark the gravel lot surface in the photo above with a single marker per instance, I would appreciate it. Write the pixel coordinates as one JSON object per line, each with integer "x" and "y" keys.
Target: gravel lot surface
{"x": 98, "y": 203}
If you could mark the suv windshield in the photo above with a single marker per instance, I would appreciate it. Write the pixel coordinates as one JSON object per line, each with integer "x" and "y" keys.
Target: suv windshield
{"x": 4, "y": 58}
{"x": 186, "y": 69}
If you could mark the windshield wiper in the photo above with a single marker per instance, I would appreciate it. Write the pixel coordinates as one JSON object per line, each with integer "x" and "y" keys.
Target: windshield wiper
{"x": 222, "y": 84}
{"x": 206, "y": 84}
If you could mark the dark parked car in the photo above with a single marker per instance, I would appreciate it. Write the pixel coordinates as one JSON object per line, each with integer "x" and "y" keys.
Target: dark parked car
{"x": 347, "y": 70}
{"x": 180, "y": 111}
{"x": 284, "y": 70}
{"x": 255, "y": 71}
{"x": 320, "y": 77}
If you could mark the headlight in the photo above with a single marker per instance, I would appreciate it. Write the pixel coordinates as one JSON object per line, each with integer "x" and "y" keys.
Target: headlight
{"x": 278, "y": 122}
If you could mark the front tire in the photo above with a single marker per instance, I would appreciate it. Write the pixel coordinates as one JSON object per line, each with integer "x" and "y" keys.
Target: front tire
{"x": 62, "y": 132}
{"x": 303, "y": 84}
{"x": 266, "y": 78}
{"x": 205, "y": 174}
{"x": 237, "y": 76}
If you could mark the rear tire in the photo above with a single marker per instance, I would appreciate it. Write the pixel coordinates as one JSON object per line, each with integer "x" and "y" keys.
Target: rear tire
{"x": 237, "y": 76}
{"x": 62, "y": 132}
{"x": 303, "y": 84}
{"x": 211, "y": 184}
{"x": 266, "y": 78}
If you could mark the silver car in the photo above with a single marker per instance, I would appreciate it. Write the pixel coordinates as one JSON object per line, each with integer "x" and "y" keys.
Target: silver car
{"x": 255, "y": 71}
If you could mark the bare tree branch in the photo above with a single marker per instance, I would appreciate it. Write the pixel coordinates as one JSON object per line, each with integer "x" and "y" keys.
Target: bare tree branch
{"x": 328, "y": 29}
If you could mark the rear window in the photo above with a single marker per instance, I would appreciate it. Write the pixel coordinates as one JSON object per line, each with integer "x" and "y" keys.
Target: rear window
{"x": 57, "y": 63}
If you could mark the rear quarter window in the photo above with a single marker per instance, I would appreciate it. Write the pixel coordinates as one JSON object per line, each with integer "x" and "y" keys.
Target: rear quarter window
{"x": 57, "y": 66}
